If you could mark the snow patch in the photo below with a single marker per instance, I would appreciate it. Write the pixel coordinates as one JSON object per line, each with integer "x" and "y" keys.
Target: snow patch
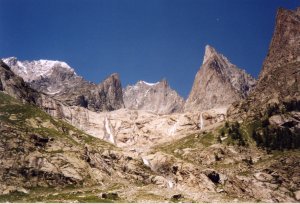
{"x": 32, "y": 70}
{"x": 150, "y": 84}
{"x": 45, "y": 67}
{"x": 22, "y": 67}
{"x": 52, "y": 63}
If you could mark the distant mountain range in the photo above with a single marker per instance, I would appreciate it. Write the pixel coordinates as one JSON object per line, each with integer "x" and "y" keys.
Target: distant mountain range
{"x": 217, "y": 84}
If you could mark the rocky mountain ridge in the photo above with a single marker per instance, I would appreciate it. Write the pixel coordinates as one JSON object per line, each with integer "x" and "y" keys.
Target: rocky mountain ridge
{"x": 35, "y": 70}
{"x": 59, "y": 80}
{"x": 154, "y": 97}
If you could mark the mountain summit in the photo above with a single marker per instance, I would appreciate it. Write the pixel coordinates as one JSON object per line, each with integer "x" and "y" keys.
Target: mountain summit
{"x": 209, "y": 52}
{"x": 35, "y": 70}
{"x": 218, "y": 83}
{"x": 154, "y": 97}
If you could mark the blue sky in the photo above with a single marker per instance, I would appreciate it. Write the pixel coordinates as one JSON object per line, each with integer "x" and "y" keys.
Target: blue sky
{"x": 139, "y": 39}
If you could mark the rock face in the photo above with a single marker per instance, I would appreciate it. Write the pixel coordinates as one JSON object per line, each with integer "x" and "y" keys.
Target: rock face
{"x": 138, "y": 129}
{"x": 154, "y": 97}
{"x": 274, "y": 105}
{"x": 37, "y": 150}
{"x": 284, "y": 47}
{"x": 243, "y": 176}
{"x": 218, "y": 83}
{"x": 278, "y": 83}
{"x": 60, "y": 81}
{"x": 280, "y": 75}
{"x": 15, "y": 86}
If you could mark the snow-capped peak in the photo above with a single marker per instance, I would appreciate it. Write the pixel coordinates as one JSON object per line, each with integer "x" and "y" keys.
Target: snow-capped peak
{"x": 52, "y": 63}
{"x": 9, "y": 59}
{"x": 22, "y": 67}
{"x": 32, "y": 70}
{"x": 149, "y": 84}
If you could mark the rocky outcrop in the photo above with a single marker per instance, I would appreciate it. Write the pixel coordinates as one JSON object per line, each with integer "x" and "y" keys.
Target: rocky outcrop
{"x": 225, "y": 171}
{"x": 38, "y": 151}
{"x": 218, "y": 83}
{"x": 276, "y": 98}
{"x": 136, "y": 130}
{"x": 15, "y": 86}
{"x": 280, "y": 75}
{"x": 154, "y": 97}
{"x": 106, "y": 96}
{"x": 60, "y": 81}
{"x": 279, "y": 79}
{"x": 284, "y": 47}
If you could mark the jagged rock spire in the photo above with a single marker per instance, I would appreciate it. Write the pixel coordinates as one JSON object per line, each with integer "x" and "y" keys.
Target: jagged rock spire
{"x": 218, "y": 83}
